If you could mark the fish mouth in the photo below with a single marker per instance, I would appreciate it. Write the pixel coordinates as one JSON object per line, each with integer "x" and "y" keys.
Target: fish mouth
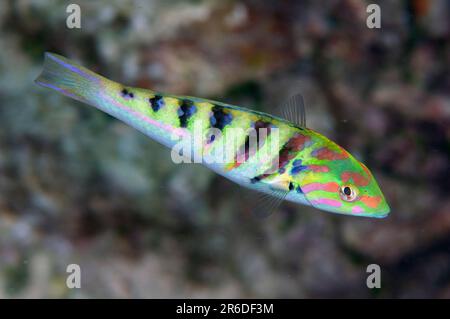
{"x": 383, "y": 213}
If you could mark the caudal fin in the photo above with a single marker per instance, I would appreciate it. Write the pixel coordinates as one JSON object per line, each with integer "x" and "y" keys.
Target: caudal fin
{"x": 70, "y": 79}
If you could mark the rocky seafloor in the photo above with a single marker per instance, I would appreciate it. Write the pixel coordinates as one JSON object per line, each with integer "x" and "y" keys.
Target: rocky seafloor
{"x": 77, "y": 186}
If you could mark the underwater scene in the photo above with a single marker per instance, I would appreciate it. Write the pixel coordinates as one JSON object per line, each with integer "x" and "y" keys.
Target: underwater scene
{"x": 224, "y": 149}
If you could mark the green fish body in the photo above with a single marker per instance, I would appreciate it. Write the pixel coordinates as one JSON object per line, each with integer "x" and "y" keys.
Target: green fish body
{"x": 256, "y": 150}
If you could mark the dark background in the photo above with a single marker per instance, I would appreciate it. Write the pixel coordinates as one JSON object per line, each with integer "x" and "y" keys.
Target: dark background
{"x": 77, "y": 186}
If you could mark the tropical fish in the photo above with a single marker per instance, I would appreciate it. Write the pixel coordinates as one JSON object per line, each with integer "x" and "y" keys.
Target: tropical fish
{"x": 305, "y": 167}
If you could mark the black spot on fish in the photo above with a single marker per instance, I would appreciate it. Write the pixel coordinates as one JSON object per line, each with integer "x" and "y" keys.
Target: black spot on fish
{"x": 220, "y": 118}
{"x": 291, "y": 186}
{"x": 156, "y": 102}
{"x": 255, "y": 179}
{"x": 261, "y": 177}
{"x": 126, "y": 94}
{"x": 186, "y": 110}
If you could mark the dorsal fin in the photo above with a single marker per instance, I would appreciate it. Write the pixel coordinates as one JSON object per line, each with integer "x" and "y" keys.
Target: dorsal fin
{"x": 293, "y": 110}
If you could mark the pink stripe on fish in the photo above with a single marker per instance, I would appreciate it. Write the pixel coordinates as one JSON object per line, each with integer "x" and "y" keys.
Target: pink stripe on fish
{"x": 326, "y": 201}
{"x": 327, "y": 187}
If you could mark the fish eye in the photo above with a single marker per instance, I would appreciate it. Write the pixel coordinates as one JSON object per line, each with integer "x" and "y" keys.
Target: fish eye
{"x": 348, "y": 193}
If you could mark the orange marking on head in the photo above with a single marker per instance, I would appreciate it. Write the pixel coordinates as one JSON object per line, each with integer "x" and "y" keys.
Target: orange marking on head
{"x": 357, "y": 178}
{"x": 325, "y": 153}
{"x": 331, "y": 187}
{"x": 371, "y": 201}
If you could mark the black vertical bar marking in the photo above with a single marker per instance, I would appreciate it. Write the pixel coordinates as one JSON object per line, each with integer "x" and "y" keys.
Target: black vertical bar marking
{"x": 156, "y": 102}
{"x": 244, "y": 150}
{"x": 285, "y": 155}
{"x": 186, "y": 110}
{"x": 219, "y": 119}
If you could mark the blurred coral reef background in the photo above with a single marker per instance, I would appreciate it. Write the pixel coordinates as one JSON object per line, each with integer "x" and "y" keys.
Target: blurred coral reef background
{"x": 77, "y": 186}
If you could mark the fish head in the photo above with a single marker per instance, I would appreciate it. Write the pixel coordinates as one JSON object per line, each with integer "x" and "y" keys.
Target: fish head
{"x": 333, "y": 180}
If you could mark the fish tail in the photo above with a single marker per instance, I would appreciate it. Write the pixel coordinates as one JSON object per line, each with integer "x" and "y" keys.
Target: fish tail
{"x": 130, "y": 105}
{"x": 70, "y": 79}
